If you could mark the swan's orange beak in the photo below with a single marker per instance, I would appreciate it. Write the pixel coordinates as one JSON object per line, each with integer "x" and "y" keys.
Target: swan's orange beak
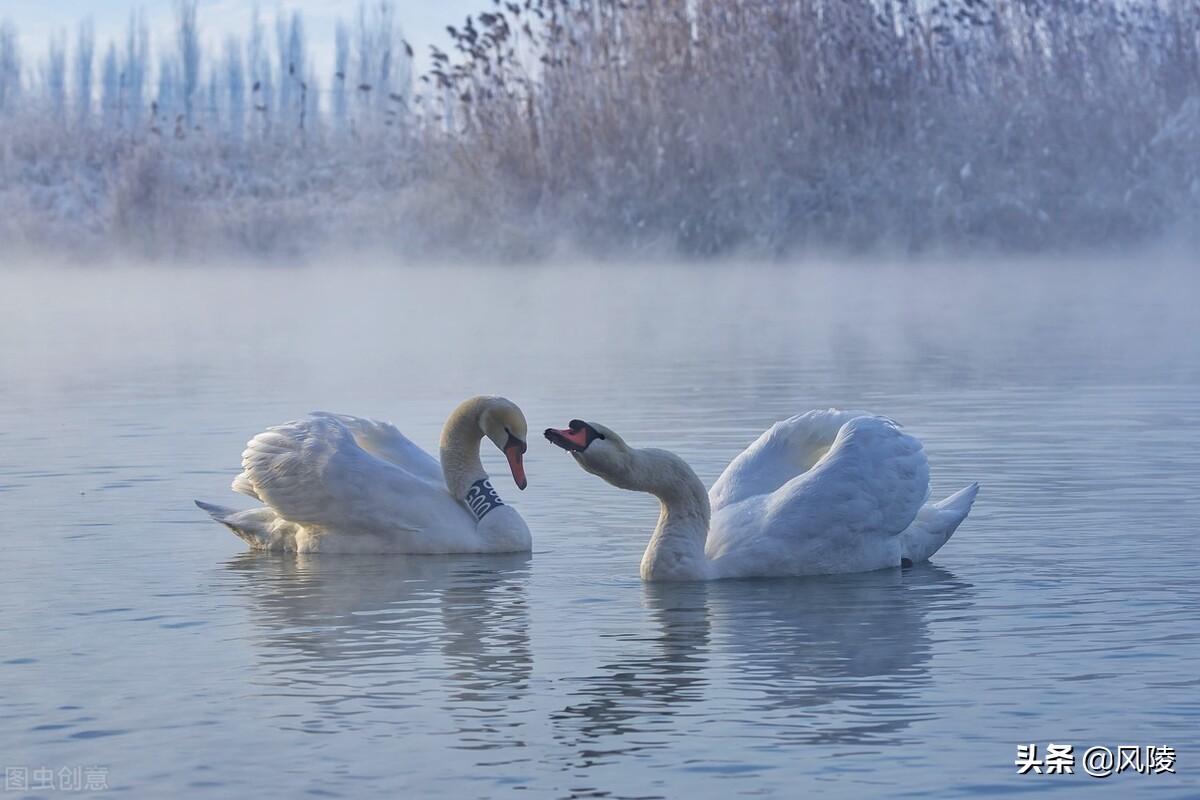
{"x": 568, "y": 439}
{"x": 515, "y": 453}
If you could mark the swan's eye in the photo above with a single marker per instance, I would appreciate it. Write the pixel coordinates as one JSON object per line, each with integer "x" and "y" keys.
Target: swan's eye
{"x": 577, "y": 425}
{"x": 514, "y": 442}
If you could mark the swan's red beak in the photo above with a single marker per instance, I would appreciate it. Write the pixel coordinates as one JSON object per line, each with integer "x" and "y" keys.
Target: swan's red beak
{"x": 568, "y": 439}
{"x": 516, "y": 462}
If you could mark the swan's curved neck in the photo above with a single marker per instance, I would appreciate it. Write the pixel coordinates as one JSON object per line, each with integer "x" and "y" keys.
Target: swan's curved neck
{"x": 676, "y": 549}
{"x": 459, "y": 448}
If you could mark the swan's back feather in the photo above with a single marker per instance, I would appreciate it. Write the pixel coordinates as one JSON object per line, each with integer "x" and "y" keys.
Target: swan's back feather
{"x": 844, "y": 514}
{"x": 385, "y": 441}
{"x": 315, "y": 473}
{"x": 874, "y": 476}
{"x": 786, "y": 449}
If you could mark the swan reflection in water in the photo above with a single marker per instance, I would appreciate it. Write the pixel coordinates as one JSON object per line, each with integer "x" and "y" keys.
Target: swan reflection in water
{"x": 363, "y": 637}
{"x": 823, "y": 660}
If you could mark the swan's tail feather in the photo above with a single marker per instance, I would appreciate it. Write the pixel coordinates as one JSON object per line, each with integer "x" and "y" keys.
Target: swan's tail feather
{"x": 934, "y": 525}
{"x": 248, "y": 525}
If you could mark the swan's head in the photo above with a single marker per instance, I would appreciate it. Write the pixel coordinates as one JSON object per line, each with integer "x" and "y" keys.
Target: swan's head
{"x": 503, "y": 423}
{"x": 597, "y": 449}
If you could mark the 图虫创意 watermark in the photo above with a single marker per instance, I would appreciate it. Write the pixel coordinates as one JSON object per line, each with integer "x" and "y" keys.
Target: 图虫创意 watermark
{"x": 74, "y": 778}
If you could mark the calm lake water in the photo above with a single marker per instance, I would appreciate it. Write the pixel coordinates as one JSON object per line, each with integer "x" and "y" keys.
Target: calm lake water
{"x": 143, "y": 649}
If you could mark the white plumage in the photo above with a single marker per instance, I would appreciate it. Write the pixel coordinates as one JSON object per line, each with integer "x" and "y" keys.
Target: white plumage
{"x": 821, "y": 493}
{"x": 337, "y": 483}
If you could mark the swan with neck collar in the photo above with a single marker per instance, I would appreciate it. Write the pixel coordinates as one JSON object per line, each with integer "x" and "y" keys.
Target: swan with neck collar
{"x": 822, "y": 493}
{"x": 337, "y": 483}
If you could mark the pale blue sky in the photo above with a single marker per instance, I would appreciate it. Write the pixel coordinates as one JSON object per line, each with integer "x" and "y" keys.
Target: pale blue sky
{"x": 423, "y": 21}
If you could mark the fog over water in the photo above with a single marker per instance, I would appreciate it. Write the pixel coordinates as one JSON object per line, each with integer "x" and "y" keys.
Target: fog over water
{"x": 140, "y": 638}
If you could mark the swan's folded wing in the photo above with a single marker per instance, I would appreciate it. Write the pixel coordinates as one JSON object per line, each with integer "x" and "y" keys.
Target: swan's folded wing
{"x": 384, "y": 440}
{"x": 787, "y": 449}
{"x": 314, "y": 472}
{"x": 870, "y": 485}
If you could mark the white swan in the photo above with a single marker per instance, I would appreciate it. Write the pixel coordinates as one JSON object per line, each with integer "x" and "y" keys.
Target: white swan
{"x": 821, "y": 493}
{"x": 336, "y": 483}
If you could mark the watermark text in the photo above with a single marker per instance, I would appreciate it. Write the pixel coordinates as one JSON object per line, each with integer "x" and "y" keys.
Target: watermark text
{"x": 77, "y": 778}
{"x": 1098, "y": 761}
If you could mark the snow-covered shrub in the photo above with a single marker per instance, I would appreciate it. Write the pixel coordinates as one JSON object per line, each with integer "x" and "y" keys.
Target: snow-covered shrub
{"x": 847, "y": 123}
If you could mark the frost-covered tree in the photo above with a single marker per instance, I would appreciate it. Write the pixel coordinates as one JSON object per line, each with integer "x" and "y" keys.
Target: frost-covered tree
{"x": 110, "y": 89}
{"x": 235, "y": 88}
{"x": 264, "y": 103}
{"x": 133, "y": 76}
{"x": 367, "y": 53}
{"x": 281, "y": 65}
{"x": 54, "y": 74}
{"x": 383, "y": 63}
{"x": 189, "y": 53}
{"x": 85, "y": 48}
{"x": 10, "y": 68}
{"x": 212, "y": 104}
{"x": 310, "y": 92}
{"x": 262, "y": 89}
{"x": 166, "y": 102}
{"x": 341, "y": 63}
{"x": 289, "y": 35}
{"x": 401, "y": 93}
{"x": 385, "y": 21}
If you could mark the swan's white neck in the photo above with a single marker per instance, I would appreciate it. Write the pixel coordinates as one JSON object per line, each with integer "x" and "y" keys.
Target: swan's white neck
{"x": 459, "y": 448}
{"x": 676, "y": 549}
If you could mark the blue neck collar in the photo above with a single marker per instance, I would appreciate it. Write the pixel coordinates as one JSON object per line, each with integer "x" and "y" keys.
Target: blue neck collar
{"x": 482, "y": 498}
